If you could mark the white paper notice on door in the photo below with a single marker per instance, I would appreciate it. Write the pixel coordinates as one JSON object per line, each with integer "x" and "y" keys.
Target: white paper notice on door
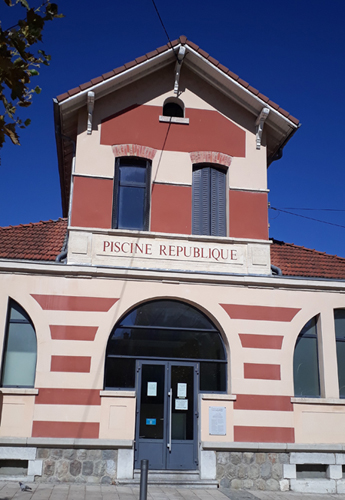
{"x": 181, "y": 390}
{"x": 217, "y": 420}
{"x": 152, "y": 388}
{"x": 181, "y": 404}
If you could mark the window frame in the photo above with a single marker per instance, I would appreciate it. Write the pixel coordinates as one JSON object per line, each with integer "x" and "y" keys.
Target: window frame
{"x": 339, "y": 338}
{"x": 221, "y": 362}
{"x": 132, "y": 161}
{"x": 211, "y": 206}
{"x": 12, "y": 304}
{"x": 304, "y": 333}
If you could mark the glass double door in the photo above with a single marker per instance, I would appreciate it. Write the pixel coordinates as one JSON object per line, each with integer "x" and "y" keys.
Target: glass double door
{"x": 166, "y": 427}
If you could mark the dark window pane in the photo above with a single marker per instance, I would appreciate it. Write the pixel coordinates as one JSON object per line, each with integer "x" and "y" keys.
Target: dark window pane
{"x": 167, "y": 313}
{"x": 306, "y": 366}
{"x": 131, "y": 208}
{"x": 152, "y": 402}
{"x": 120, "y": 373}
{"x": 213, "y": 377}
{"x": 131, "y": 194}
{"x": 172, "y": 109}
{"x": 135, "y": 175}
{"x": 166, "y": 343}
{"x": 339, "y": 323}
{"x": 182, "y": 423}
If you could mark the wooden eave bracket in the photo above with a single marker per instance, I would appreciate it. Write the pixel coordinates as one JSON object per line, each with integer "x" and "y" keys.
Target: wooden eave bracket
{"x": 260, "y": 125}
{"x": 180, "y": 56}
{"x": 90, "y": 106}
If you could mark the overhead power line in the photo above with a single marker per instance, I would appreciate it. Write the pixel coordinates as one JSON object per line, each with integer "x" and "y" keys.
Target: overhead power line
{"x": 305, "y": 217}
{"x": 161, "y": 20}
{"x": 315, "y": 209}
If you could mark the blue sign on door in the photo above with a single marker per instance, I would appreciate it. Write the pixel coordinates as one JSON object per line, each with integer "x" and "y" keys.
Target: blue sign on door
{"x": 150, "y": 421}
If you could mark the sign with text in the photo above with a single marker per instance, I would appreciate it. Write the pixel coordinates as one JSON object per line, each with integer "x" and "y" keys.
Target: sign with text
{"x": 169, "y": 250}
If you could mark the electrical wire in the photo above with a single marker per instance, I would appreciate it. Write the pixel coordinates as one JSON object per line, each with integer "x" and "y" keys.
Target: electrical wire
{"x": 161, "y": 21}
{"x": 315, "y": 209}
{"x": 305, "y": 217}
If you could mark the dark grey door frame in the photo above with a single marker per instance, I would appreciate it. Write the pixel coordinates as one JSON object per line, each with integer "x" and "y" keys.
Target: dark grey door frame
{"x": 173, "y": 454}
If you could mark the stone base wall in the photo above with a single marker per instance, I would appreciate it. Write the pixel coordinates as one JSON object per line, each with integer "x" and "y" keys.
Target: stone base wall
{"x": 77, "y": 465}
{"x": 251, "y": 470}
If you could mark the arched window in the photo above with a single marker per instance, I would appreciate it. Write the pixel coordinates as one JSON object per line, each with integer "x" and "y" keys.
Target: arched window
{"x": 173, "y": 107}
{"x": 169, "y": 330}
{"x": 306, "y": 363}
{"x": 20, "y": 349}
{"x": 339, "y": 321}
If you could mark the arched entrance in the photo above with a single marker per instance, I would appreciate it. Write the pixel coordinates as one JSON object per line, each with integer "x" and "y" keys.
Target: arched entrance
{"x": 168, "y": 351}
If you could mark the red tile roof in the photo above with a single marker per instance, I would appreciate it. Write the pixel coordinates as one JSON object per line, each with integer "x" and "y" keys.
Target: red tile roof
{"x": 181, "y": 40}
{"x": 294, "y": 260}
{"x": 35, "y": 241}
{"x": 44, "y": 240}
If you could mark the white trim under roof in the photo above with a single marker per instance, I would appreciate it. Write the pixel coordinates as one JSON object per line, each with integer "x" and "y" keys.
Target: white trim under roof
{"x": 201, "y": 66}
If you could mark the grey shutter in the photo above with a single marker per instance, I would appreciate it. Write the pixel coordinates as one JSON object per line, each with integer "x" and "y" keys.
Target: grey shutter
{"x": 201, "y": 201}
{"x": 218, "y": 202}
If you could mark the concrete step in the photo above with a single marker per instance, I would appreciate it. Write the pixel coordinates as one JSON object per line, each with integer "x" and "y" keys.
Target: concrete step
{"x": 186, "y": 479}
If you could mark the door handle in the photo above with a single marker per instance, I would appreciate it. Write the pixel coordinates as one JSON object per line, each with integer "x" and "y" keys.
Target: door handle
{"x": 170, "y": 393}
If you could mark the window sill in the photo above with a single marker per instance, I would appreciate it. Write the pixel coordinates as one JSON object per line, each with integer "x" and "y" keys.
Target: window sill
{"x": 117, "y": 394}
{"x": 219, "y": 397}
{"x": 18, "y": 390}
{"x": 318, "y": 401}
{"x": 174, "y": 119}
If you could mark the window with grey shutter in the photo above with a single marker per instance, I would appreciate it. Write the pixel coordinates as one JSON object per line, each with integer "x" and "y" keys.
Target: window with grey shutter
{"x": 209, "y": 201}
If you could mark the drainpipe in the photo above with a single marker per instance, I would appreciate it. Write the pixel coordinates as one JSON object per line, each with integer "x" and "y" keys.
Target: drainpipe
{"x": 276, "y": 271}
{"x": 63, "y": 254}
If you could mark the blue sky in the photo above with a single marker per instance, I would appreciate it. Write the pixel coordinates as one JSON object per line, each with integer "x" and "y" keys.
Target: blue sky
{"x": 293, "y": 52}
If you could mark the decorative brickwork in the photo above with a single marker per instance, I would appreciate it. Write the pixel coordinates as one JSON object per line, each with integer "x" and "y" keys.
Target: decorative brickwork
{"x": 77, "y": 466}
{"x": 134, "y": 150}
{"x": 210, "y": 157}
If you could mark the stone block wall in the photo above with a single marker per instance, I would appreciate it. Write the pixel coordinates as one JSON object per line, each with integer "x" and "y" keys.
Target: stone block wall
{"x": 251, "y": 470}
{"x": 77, "y": 465}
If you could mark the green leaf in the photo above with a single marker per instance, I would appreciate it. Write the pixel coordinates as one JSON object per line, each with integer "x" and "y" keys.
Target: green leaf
{"x": 27, "y": 122}
{"x": 37, "y": 89}
{"x": 33, "y": 72}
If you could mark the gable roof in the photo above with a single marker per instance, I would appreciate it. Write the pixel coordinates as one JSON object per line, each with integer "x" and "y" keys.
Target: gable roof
{"x": 280, "y": 125}
{"x": 43, "y": 241}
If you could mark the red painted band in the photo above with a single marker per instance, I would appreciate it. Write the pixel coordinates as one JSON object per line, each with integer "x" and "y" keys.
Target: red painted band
{"x": 140, "y": 125}
{"x": 261, "y": 341}
{"x": 260, "y": 313}
{"x": 76, "y": 364}
{"x": 267, "y": 403}
{"x": 69, "y": 303}
{"x": 171, "y": 209}
{"x": 261, "y": 371}
{"x": 87, "y": 397}
{"x": 69, "y": 332}
{"x": 87, "y": 430}
{"x": 264, "y": 434}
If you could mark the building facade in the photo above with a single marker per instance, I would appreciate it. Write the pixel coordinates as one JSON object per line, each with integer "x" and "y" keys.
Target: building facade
{"x": 157, "y": 320}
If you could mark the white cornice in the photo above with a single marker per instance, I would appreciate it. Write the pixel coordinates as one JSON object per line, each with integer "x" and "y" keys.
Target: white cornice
{"x": 86, "y": 271}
